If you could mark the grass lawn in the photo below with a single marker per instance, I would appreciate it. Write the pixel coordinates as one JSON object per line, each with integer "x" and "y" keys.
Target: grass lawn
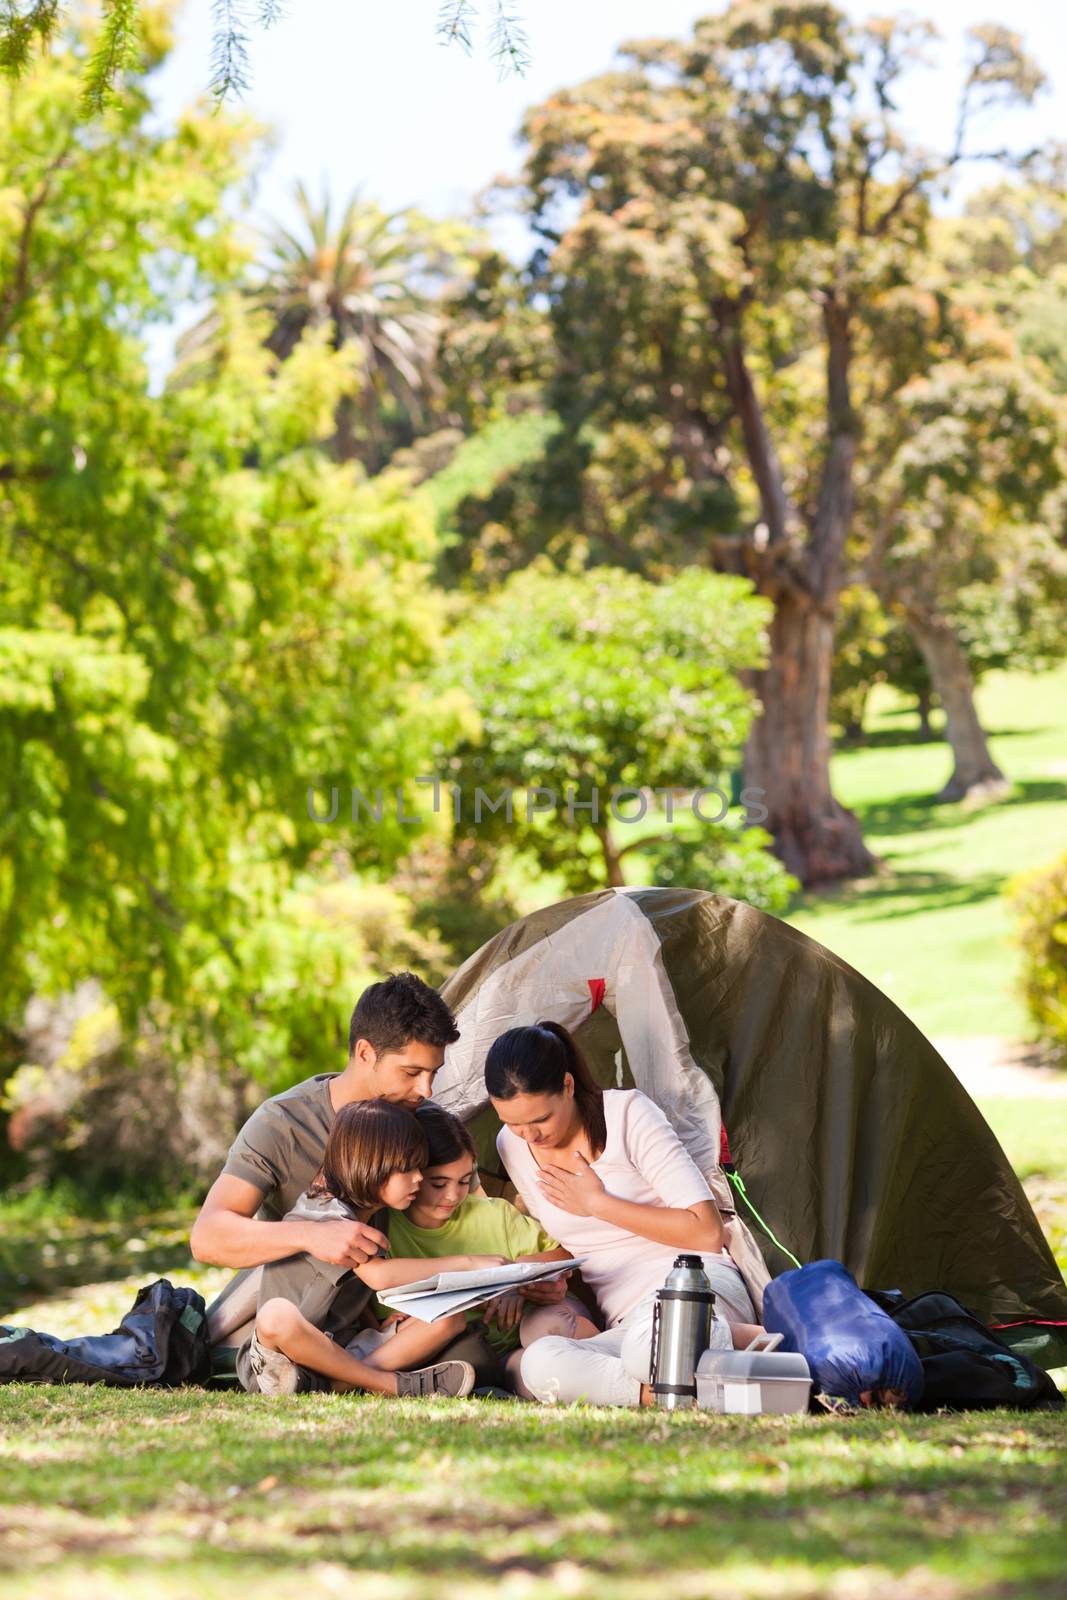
{"x": 173, "y": 1495}
{"x": 935, "y": 930}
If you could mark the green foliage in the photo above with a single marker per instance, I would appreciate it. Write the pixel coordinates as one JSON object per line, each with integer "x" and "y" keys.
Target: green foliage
{"x": 1040, "y": 901}
{"x": 730, "y": 860}
{"x": 202, "y": 615}
{"x": 599, "y": 681}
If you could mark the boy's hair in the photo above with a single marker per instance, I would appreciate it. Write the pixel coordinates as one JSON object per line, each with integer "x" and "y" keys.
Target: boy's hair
{"x": 447, "y": 1138}
{"x": 369, "y": 1141}
{"x": 401, "y": 1008}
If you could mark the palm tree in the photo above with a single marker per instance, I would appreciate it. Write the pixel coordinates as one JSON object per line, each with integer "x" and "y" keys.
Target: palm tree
{"x": 374, "y": 278}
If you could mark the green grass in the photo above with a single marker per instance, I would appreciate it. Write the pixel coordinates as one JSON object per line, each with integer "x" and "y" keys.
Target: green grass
{"x": 167, "y": 1495}
{"x": 935, "y": 930}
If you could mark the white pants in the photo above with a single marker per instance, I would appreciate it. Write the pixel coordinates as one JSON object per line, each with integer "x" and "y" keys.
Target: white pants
{"x": 609, "y": 1369}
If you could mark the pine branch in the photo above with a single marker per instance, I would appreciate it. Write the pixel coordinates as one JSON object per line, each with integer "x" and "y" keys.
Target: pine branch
{"x": 230, "y": 66}
{"x": 272, "y": 11}
{"x": 454, "y": 23}
{"x": 21, "y": 30}
{"x": 509, "y": 45}
{"x": 116, "y": 51}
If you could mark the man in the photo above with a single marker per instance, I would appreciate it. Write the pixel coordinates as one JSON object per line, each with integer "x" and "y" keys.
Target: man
{"x": 396, "y": 1045}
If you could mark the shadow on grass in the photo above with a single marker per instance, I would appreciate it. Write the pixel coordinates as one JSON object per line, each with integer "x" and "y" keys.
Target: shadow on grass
{"x": 875, "y": 899}
{"x": 920, "y": 813}
{"x": 459, "y": 1492}
{"x": 900, "y": 738}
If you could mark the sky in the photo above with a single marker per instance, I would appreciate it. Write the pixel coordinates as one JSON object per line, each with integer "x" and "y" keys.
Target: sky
{"x": 361, "y": 93}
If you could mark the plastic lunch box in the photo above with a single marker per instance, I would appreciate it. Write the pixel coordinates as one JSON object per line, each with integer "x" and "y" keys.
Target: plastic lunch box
{"x": 752, "y": 1381}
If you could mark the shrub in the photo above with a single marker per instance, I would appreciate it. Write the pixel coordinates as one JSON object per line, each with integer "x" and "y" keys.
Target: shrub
{"x": 1040, "y": 898}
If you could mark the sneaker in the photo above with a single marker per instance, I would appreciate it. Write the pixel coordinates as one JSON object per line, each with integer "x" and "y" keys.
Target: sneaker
{"x": 454, "y": 1378}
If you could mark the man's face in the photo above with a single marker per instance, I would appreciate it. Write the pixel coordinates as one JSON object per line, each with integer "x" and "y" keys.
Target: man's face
{"x": 404, "y": 1076}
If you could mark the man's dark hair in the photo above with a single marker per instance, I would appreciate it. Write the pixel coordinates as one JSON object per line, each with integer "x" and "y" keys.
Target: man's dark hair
{"x": 401, "y": 1008}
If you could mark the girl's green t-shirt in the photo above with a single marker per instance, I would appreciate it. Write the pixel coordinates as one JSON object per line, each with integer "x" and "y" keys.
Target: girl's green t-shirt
{"x": 479, "y": 1226}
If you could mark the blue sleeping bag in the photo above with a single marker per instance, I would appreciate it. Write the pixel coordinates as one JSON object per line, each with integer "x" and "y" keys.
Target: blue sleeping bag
{"x": 851, "y": 1345}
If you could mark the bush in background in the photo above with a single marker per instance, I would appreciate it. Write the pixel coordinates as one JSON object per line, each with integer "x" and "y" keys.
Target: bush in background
{"x": 1041, "y": 901}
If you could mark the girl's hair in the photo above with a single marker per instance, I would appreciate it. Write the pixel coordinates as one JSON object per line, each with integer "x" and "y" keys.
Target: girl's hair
{"x": 535, "y": 1061}
{"x": 368, "y": 1142}
{"x": 447, "y": 1137}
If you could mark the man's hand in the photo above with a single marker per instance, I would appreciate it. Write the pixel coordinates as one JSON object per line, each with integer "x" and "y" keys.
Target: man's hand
{"x": 344, "y": 1244}
{"x": 546, "y": 1294}
{"x": 578, "y": 1192}
{"x": 505, "y": 1311}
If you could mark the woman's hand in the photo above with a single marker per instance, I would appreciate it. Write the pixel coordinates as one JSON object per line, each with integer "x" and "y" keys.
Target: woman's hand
{"x": 578, "y": 1192}
{"x": 505, "y": 1311}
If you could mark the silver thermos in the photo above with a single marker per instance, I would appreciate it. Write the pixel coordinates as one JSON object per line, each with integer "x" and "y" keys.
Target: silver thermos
{"x": 681, "y": 1332}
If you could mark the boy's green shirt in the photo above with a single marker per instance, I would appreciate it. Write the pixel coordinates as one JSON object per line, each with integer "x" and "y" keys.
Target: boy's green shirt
{"x": 479, "y": 1226}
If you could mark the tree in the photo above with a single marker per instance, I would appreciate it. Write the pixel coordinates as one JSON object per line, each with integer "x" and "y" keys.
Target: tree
{"x": 371, "y": 280}
{"x": 722, "y": 217}
{"x": 602, "y": 697}
{"x": 201, "y": 615}
{"x": 969, "y": 544}
{"x": 28, "y": 26}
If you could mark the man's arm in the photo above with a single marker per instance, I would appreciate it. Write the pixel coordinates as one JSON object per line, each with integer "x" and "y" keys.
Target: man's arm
{"x": 227, "y": 1233}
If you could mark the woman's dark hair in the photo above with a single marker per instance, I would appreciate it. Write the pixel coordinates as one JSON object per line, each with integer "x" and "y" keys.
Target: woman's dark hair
{"x": 446, "y": 1136}
{"x": 535, "y": 1061}
{"x": 401, "y": 1008}
{"x": 368, "y": 1142}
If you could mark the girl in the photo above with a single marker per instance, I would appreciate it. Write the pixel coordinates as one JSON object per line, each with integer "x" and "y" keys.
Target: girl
{"x": 446, "y": 1219}
{"x": 373, "y": 1159}
{"x": 608, "y": 1176}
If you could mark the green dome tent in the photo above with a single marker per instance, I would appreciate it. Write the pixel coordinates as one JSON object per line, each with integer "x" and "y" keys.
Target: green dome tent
{"x": 852, "y": 1135}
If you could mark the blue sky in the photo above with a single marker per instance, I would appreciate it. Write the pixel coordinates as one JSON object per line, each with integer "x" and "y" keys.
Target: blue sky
{"x": 360, "y": 93}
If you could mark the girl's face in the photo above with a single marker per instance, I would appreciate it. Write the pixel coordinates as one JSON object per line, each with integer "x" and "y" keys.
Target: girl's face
{"x": 441, "y": 1191}
{"x": 547, "y": 1120}
{"x": 400, "y": 1189}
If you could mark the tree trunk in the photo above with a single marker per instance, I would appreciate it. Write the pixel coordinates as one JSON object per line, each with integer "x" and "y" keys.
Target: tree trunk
{"x": 612, "y": 859}
{"x": 788, "y": 751}
{"x": 974, "y": 771}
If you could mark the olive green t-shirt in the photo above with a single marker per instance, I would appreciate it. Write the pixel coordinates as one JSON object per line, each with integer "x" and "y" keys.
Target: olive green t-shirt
{"x": 279, "y": 1151}
{"x": 479, "y": 1226}
{"x": 280, "y": 1147}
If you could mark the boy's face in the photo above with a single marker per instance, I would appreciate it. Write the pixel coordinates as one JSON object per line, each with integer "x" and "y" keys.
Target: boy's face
{"x": 400, "y": 1189}
{"x": 404, "y": 1076}
{"x": 441, "y": 1191}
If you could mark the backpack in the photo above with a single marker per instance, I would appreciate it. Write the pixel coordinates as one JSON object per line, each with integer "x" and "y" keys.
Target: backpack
{"x": 967, "y": 1368}
{"x": 160, "y": 1343}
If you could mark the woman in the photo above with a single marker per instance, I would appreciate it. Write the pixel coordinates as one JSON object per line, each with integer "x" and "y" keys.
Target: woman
{"x": 605, "y": 1174}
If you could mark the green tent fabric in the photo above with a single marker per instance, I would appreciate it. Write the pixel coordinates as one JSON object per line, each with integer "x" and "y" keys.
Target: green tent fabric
{"x": 854, "y": 1138}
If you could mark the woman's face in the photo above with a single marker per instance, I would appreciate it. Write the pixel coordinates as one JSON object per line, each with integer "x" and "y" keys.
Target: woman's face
{"x": 547, "y": 1120}
{"x": 441, "y": 1191}
{"x": 400, "y": 1189}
